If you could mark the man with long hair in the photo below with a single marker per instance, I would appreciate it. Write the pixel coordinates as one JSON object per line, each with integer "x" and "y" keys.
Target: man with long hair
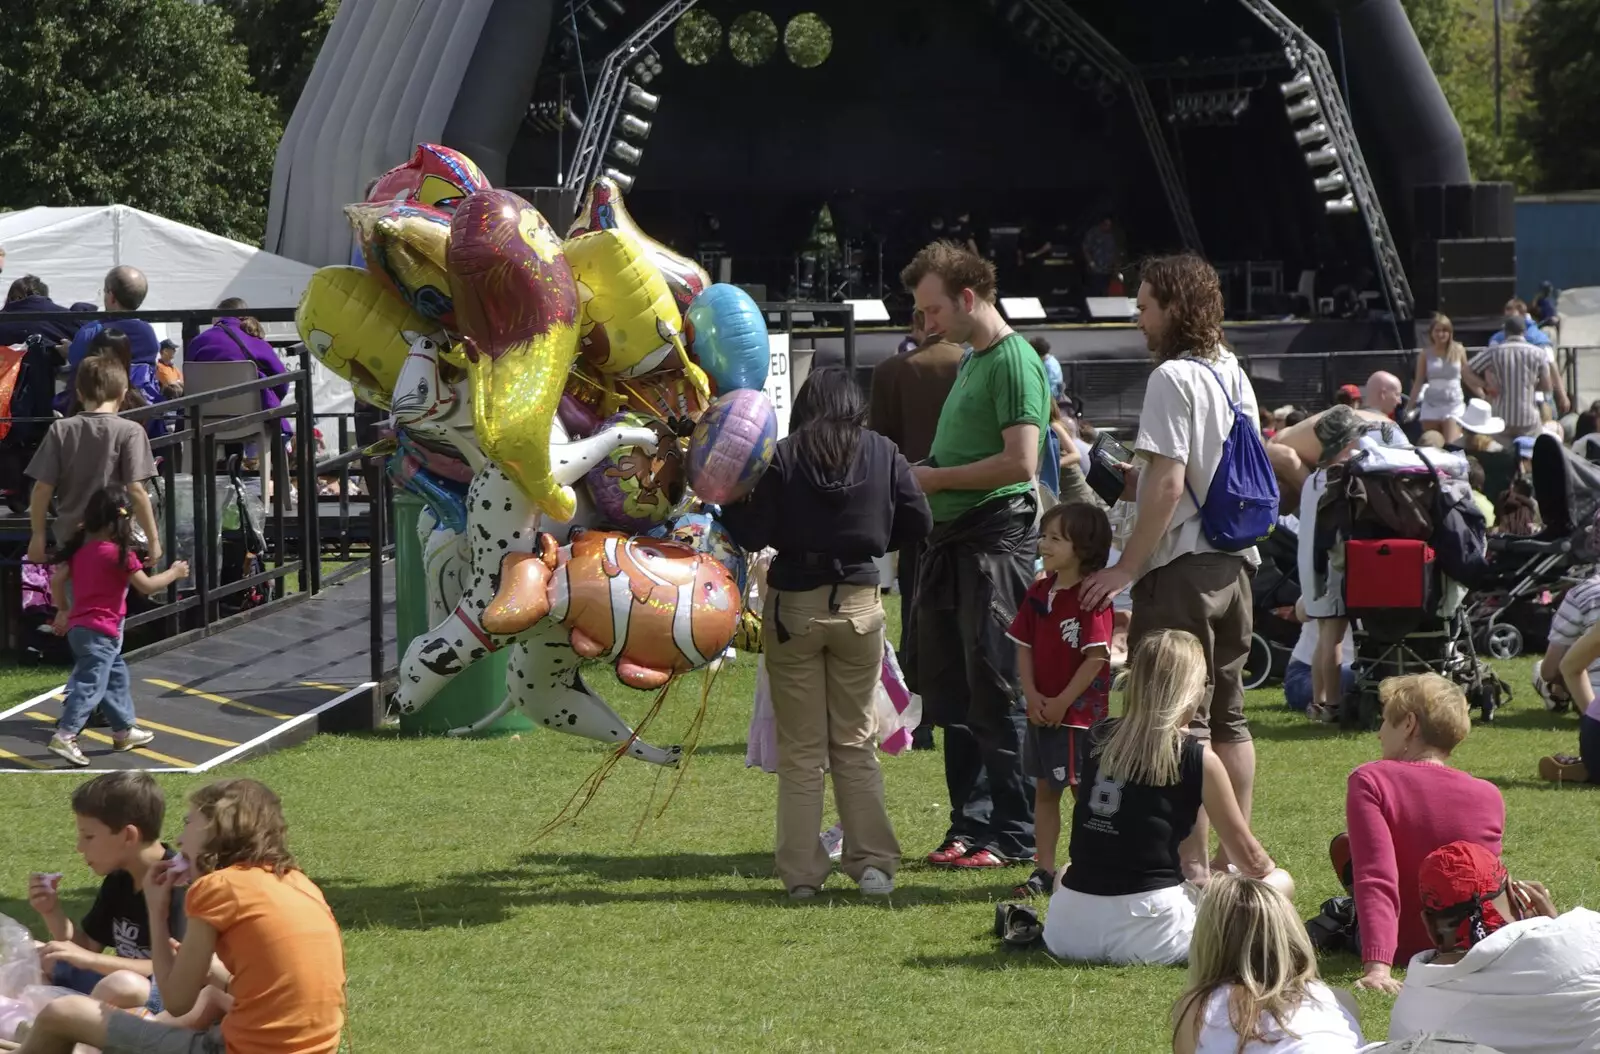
{"x": 1180, "y": 581}
{"x": 979, "y": 478}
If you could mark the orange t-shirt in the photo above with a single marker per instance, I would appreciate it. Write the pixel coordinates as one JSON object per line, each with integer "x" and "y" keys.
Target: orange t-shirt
{"x": 280, "y": 941}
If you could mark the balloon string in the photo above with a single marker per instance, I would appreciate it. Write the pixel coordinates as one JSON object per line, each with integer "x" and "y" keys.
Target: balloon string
{"x": 692, "y": 738}
{"x": 590, "y": 787}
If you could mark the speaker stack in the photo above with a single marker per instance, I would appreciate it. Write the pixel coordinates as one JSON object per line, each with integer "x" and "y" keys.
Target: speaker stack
{"x": 1465, "y": 261}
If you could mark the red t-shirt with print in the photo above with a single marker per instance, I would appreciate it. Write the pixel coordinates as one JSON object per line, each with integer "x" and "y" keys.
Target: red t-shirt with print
{"x": 1053, "y": 624}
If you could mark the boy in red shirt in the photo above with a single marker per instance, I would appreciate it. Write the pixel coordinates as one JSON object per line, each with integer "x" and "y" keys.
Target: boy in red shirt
{"x": 1062, "y": 658}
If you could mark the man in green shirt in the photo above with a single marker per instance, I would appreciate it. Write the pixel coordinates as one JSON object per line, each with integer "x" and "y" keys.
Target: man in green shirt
{"x": 979, "y": 560}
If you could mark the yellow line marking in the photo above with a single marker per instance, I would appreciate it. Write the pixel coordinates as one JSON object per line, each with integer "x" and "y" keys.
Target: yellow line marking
{"x": 6, "y": 755}
{"x": 186, "y": 734}
{"x": 224, "y": 700}
{"x": 165, "y": 759}
{"x": 340, "y": 688}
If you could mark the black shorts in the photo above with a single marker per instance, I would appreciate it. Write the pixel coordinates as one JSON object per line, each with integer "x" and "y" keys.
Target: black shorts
{"x": 1054, "y": 755}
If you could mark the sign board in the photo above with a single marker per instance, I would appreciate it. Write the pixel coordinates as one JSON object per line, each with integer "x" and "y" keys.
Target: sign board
{"x": 778, "y": 377}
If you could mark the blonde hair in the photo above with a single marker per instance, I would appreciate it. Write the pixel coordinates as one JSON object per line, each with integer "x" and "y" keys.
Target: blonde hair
{"x": 247, "y": 828}
{"x": 1431, "y": 439}
{"x": 1455, "y": 352}
{"x": 1439, "y": 706}
{"x": 1166, "y": 677}
{"x": 1247, "y": 937}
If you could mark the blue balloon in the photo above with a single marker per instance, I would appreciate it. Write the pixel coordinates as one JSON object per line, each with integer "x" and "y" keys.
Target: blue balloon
{"x": 729, "y": 338}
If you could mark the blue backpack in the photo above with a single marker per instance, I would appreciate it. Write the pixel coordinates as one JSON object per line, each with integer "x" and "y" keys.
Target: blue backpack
{"x": 1241, "y": 507}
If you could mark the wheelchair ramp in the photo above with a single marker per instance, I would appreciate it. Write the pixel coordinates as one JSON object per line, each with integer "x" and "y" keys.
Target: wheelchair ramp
{"x": 260, "y": 686}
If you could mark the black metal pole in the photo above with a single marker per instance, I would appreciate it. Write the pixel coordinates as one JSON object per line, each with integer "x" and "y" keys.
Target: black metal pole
{"x": 201, "y": 477}
{"x": 306, "y": 456}
{"x": 344, "y": 490}
{"x": 377, "y": 519}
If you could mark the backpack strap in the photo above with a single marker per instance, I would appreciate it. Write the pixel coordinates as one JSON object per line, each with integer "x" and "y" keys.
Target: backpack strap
{"x": 1235, "y": 407}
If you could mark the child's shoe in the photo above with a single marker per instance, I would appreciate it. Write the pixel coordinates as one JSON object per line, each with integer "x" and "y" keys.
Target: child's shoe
{"x": 67, "y": 747}
{"x": 133, "y": 737}
{"x": 1039, "y": 884}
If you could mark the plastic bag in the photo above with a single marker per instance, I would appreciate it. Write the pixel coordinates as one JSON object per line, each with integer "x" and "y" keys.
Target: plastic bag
{"x": 19, "y": 963}
{"x": 13, "y": 1013}
{"x": 897, "y": 710}
{"x": 761, "y": 747}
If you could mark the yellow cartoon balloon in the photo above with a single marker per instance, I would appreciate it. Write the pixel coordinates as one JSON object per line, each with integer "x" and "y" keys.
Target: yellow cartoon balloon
{"x": 358, "y": 329}
{"x": 630, "y": 324}
{"x": 404, "y": 244}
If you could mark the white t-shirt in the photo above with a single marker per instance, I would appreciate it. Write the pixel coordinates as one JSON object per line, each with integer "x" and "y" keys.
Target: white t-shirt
{"x": 1321, "y": 1025}
{"x": 1531, "y": 987}
{"x": 1187, "y": 417}
{"x": 1306, "y": 646}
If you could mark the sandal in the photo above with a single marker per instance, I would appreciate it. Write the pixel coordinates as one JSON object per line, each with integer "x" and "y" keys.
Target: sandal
{"x": 1039, "y": 884}
{"x": 1018, "y": 925}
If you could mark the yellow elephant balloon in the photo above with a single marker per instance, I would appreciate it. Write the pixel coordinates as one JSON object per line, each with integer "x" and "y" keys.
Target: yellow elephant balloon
{"x": 630, "y": 324}
{"x": 358, "y": 329}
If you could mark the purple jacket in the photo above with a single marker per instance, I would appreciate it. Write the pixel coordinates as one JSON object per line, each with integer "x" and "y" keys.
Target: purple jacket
{"x": 218, "y": 344}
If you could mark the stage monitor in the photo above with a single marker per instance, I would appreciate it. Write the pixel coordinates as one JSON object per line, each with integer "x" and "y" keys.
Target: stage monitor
{"x": 868, "y": 310}
{"x": 1112, "y": 308}
{"x": 1022, "y": 308}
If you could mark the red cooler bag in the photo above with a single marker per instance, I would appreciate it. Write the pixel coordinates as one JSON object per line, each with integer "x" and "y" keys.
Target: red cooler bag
{"x": 1388, "y": 573}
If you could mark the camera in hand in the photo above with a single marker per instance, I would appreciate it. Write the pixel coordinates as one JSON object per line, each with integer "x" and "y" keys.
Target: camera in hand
{"x": 1106, "y": 458}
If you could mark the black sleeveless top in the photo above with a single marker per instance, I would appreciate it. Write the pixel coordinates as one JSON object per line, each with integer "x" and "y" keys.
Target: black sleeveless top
{"x": 1125, "y": 835}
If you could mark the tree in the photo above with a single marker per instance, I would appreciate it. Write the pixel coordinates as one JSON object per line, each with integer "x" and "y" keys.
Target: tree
{"x": 281, "y": 39}
{"x": 141, "y": 102}
{"x": 1562, "y": 122}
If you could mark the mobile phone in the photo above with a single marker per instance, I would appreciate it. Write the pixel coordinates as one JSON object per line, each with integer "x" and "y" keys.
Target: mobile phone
{"x": 1106, "y": 458}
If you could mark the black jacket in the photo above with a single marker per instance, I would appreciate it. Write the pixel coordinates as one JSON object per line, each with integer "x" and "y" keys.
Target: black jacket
{"x": 828, "y": 532}
{"x": 18, "y": 332}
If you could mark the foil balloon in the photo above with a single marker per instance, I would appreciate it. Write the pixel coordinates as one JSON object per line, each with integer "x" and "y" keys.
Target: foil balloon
{"x": 436, "y": 177}
{"x": 727, "y": 335}
{"x": 357, "y": 329}
{"x": 518, "y": 308}
{"x": 603, "y": 210}
{"x": 634, "y": 490}
{"x": 631, "y": 325}
{"x": 405, "y": 245}
{"x": 704, "y": 533}
{"x": 659, "y": 606}
{"x": 732, "y": 446}
{"x": 670, "y": 394}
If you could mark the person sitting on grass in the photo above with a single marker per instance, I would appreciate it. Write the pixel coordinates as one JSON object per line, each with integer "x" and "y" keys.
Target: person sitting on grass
{"x": 1504, "y": 967}
{"x": 1579, "y": 668}
{"x": 1062, "y": 653}
{"x": 1253, "y": 984}
{"x": 248, "y": 902}
{"x": 1401, "y": 808}
{"x": 119, "y": 817}
{"x": 1123, "y": 898}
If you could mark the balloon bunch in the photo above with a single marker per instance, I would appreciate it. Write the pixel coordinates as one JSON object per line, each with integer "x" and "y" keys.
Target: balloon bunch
{"x": 517, "y": 365}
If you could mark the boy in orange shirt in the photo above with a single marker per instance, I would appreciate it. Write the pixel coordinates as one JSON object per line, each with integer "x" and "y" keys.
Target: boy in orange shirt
{"x": 265, "y": 920}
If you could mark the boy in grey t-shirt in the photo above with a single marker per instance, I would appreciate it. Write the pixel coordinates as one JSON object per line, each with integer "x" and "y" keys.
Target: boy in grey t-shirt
{"x": 83, "y": 454}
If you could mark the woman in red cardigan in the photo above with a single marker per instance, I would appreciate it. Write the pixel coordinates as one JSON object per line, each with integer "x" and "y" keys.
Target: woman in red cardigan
{"x": 1400, "y": 809}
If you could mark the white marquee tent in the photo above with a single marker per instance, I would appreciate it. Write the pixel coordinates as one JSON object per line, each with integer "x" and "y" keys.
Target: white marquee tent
{"x": 72, "y": 249}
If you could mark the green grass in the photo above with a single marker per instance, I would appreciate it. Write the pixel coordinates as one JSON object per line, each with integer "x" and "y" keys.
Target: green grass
{"x": 464, "y": 933}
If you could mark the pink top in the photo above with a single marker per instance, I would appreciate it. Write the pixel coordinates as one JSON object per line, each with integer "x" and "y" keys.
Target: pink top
{"x": 1397, "y": 813}
{"x": 100, "y": 588}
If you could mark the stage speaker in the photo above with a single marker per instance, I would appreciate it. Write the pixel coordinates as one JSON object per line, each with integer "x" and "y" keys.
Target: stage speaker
{"x": 1428, "y": 211}
{"x": 1458, "y": 199}
{"x": 556, "y": 204}
{"x": 1494, "y": 210}
{"x": 1467, "y": 274}
{"x": 1475, "y": 297}
{"x": 1464, "y": 210}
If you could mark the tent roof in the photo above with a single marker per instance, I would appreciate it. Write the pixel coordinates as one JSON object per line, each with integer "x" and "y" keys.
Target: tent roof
{"x": 72, "y": 249}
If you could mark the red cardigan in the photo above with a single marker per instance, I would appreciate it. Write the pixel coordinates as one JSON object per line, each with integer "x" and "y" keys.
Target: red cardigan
{"x": 1398, "y": 812}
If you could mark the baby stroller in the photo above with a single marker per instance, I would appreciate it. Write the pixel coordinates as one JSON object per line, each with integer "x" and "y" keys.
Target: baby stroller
{"x": 1275, "y": 588}
{"x": 1510, "y": 611}
{"x": 1411, "y": 540}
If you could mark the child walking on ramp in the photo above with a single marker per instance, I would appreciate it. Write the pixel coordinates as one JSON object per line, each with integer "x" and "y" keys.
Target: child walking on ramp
{"x": 99, "y": 564}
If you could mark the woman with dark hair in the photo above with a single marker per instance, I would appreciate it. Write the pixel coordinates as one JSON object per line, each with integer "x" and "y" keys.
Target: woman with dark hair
{"x": 837, "y": 497}
{"x": 114, "y": 344}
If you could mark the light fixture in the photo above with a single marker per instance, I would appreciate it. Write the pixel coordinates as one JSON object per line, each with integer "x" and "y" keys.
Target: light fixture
{"x": 1085, "y": 77}
{"x": 640, "y": 99}
{"x": 1106, "y": 94}
{"x": 617, "y": 6}
{"x": 1299, "y": 86}
{"x": 633, "y": 127}
{"x": 625, "y": 152}
{"x": 1064, "y": 62}
{"x": 1307, "y": 107}
{"x": 623, "y": 181}
{"x": 595, "y": 20}
{"x": 1312, "y": 134}
{"x": 1333, "y": 181}
{"x": 1324, "y": 155}
{"x": 1341, "y": 206}
{"x": 574, "y": 120}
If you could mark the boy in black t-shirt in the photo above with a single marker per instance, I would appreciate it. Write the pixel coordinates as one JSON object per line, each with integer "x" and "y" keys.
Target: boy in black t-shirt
{"x": 119, "y": 819}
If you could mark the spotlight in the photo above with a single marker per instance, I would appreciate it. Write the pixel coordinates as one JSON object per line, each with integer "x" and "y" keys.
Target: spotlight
{"x": 1014, "y": 13}
{"x": 633, "y": 127}
{"x": 1325, "y": 155}
{"x": 1307, "y": 107}
{"x": 1333, "y": 181}
{"x": 595, "y": 20}
{"x": 1240, "y": 104}
{"x": 623, "y": 180}
{"x": 1033, "y": 28}
{"x": 1312, "y": 134}
{"x": 1299, "y": 86}
{"x": 644, "y": 76}
{"x": 1106, "y": 94}
{"x": 625, "y": 152}
{"x": 574, "y": 120}
{"x": 640, "y": 99}
{"x": 1344, "y": 206}
{"x": 617, "y": 7}
{"x": 1085, "y": 77}
{"x": 1064, "y": 62}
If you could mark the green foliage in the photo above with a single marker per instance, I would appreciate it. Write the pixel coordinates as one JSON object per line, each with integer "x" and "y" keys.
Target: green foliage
{"x": 140, "y": 102}
{"x": 281, "y": 38}
{"x": 1562, "y": 123}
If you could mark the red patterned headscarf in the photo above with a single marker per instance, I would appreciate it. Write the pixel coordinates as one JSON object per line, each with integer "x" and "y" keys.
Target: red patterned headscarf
{"x": 1459, "y": 882}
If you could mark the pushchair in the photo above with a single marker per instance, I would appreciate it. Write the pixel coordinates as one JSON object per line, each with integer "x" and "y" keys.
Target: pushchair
{"x": 1275, "y": 587}
{"x": 1412, "y": 541}
{"x": 1511, "y": 610}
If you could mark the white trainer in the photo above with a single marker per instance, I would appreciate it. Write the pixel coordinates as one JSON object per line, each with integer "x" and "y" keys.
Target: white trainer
{"x": 875, "y": 883}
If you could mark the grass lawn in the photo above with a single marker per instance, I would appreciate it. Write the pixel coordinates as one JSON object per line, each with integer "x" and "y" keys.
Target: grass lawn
{"x": 464, "y": 933}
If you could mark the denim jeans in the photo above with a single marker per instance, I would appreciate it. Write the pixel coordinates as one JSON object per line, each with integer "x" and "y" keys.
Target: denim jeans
{"x": 1297, "y": 683}
{"x": 1589, "y": 745}
{"x": 99, "y": 677}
